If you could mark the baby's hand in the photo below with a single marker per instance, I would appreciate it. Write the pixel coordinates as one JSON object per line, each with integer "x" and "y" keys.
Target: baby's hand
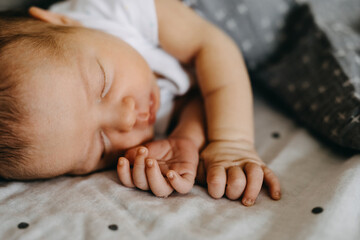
{"x": 175, "y": 158}
{"x": 235, "y": 169}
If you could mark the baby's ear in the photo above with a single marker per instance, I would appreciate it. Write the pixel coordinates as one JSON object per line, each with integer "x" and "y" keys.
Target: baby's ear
{"x": 51, "y": 17}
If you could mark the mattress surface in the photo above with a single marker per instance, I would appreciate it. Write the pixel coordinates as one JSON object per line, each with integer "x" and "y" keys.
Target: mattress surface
{"x": 320, "y": 198}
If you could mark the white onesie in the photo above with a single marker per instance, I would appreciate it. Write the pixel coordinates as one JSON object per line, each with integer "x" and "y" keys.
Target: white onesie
{"x": 135, "y": 22}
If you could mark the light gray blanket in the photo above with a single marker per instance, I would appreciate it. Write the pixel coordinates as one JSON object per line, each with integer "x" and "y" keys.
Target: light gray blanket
{"x": 314, "y": 177}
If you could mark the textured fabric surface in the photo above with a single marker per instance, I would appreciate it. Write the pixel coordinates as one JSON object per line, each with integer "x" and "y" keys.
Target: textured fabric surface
{"x": 254, "y": 24}
{"x": 316, "y": 73}
{"x": 313, "y": 178}
{"x": 305, "y": 57}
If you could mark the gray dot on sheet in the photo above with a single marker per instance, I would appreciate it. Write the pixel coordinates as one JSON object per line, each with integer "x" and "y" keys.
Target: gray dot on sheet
{"x": 231, "y": 24}
{"x": 275, "y": 135}
{"x": 357, "y": 60}
{"x": 220, "y": 15}
{"x": 113, "y": 227}
{"x": 317, "y": 210}
{"x": 283, "y": 8}
{"x": 242, "y": 8}
{"x": 23, "y": 225}
{"x": 246, "y": 45}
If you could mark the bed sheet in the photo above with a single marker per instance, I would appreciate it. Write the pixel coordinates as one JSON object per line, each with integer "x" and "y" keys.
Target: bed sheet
{"x": 320, "y": 198}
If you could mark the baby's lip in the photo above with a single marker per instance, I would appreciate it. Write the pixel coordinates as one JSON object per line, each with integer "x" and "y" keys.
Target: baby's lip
{"x": 143, "y": 117}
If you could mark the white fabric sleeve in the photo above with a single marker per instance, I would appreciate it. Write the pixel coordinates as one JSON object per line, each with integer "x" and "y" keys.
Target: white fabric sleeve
{"x": 136, "y": 16}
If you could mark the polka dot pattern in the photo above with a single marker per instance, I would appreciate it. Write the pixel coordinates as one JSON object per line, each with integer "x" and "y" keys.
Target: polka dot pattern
{"x": 113, "y": 227}
{"x": 254, "y": 24}
{"x": 315, "y": 86}
{"x": 317, "y": 210}
{"x": 305, "y": 57}
{"x": 23, "y": 225}
{"x": 275, "y": 135}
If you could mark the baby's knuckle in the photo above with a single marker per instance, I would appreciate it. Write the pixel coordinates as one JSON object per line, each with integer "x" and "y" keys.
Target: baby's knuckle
{"x": 215, "y": 180}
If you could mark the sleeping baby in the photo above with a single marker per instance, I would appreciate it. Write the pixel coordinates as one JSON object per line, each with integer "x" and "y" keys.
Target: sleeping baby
{"x": 90, "y": 85}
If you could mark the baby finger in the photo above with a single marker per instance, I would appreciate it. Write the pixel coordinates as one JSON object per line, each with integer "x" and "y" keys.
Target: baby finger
{"x": 132, "y": 153}
{"x": 158, "y": 184}
{"x": 123, "y": 171}
{"x": 216, "y": 180}
{"x": 236, "y": 182}
{"x": 255, "y": 176}
{"x": 182, "y": 184}
{"x": 273, "y": 183}
{"x": 138, "y": 171}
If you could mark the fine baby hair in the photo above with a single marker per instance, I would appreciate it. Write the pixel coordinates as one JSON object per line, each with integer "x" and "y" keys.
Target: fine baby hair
{"x": 21, "y": 38}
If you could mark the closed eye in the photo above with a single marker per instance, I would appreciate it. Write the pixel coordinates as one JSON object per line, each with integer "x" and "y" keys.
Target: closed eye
{"x": 106, "y": 85}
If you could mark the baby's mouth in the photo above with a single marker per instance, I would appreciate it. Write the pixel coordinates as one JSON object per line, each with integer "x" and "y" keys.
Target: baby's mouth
{"x": 143, "y": 117}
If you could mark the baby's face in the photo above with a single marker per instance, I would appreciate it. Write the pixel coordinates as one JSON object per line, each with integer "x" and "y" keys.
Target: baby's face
{"x": 85, "y": 113}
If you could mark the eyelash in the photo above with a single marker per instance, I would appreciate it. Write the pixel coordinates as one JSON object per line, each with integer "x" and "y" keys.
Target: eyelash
{"x": 106, "y": 86}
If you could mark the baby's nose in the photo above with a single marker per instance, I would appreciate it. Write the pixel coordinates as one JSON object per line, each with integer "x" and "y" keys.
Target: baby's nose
{"x": 127, "y": 118}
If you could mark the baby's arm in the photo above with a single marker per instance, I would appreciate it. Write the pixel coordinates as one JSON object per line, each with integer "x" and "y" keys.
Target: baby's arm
{"x": 191, "y": 123}
{"x": 230, "y": 160}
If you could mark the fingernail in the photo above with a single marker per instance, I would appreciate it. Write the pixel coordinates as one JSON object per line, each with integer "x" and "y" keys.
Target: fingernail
{"x": 141, "y": 150}
{"x": 248, "y": 202}
{"x": 277, "y": 195}
{"x": 121, "y": 162}
{"x": 170, "y": 175}
{"x": 149, "y": 163}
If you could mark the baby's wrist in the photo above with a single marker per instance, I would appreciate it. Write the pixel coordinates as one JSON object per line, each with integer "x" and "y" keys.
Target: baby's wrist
{"x": 198, "y": 141}
{"x": 231, "y": 135}
{"x": 235, "y": 143}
